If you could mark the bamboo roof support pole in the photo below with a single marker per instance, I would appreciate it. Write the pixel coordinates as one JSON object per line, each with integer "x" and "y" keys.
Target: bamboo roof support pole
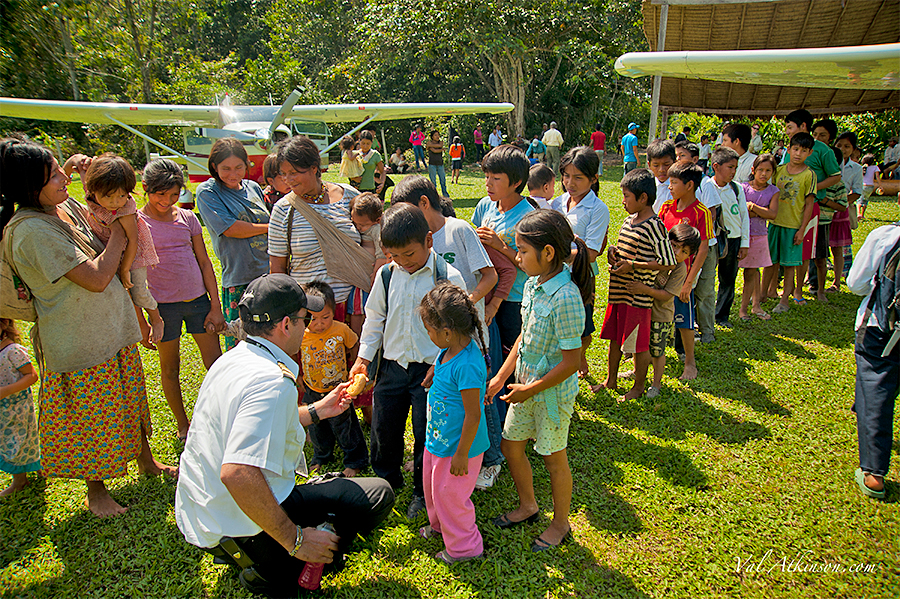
{"x": 657, "y": 79}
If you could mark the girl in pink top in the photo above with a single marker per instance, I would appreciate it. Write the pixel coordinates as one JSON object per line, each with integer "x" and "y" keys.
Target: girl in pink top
{"x": 870, "y": 174}
{"x": 184, "y": 282}
{"x": 416, "y": 138}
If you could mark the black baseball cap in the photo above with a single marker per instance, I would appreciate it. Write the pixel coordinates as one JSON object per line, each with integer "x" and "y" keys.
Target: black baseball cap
{"x": 271, "y": 297}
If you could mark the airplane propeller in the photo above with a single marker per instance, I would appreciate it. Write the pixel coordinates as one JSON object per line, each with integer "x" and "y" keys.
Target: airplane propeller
{"x": 263, "y": 136}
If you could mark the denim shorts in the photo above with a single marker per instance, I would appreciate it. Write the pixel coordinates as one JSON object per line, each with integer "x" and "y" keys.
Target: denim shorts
{"x": 192, "y": 313}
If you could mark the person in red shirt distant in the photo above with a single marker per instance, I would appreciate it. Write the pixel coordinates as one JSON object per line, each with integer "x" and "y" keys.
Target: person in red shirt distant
{"x": 598, "y": 140}
{"x": 416, "y": 138}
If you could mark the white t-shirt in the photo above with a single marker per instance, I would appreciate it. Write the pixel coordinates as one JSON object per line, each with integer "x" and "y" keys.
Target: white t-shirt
{"x": 246, "y": 413}
{"x": 662, "y": 194}
{"x": 710, "y": 198}
{"x": 745, "y": 165}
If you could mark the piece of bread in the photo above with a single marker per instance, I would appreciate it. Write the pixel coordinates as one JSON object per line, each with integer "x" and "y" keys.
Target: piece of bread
{"x": 359, "y": 383}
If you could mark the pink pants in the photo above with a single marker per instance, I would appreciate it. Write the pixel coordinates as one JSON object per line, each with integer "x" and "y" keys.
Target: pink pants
{"x": 449, "y": 502}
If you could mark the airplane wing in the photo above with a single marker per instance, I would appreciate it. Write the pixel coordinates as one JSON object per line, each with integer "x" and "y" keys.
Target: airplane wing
{"x": 352, "y": 113}
{"x": 215, "y": 116}
{"x": 850, "y": 67}
{"x": 96, "y": 112}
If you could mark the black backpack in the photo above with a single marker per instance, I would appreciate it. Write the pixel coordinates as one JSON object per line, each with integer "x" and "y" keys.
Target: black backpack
{"x": 884, "y": 301}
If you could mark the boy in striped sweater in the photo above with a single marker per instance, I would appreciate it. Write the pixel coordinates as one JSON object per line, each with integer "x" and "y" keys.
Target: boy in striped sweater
{"x": 641, "y": 251}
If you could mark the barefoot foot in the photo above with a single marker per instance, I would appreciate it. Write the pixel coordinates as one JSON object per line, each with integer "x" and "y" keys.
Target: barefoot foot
{"x": 19, "y": 482}
{"x": 634, "y": 393}
{"x": 689, "y": 374}
{"x": 153, "y": 467}
{"x": 100, "y": 502}
{"x": 351, "y": 472}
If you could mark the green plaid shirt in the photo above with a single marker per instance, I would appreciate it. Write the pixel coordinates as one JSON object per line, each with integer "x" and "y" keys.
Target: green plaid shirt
{"x": 552, "y": 321}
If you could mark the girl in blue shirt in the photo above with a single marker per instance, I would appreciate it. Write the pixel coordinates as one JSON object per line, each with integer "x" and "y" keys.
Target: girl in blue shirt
{"x": 456, "y": 437}
{"x": 545, "y": 358}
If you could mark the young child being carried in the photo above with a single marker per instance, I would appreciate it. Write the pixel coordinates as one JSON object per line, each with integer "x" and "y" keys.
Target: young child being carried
{"x": 108, "y": 184}
{"x": 541, "y": 184}
{"x": 684, "y": 207}
{"x": 20, "y": 450}
{"x": 762, "y": 206}
{"x": 351, "y": 165}
{"x": 456, "y": 436}
{"x": 323, "y": 356}
{"x": 393, "y": 324}
{"x": 642, "y": 250}
{"x": 685, "y": 241}
{"x": 276, "y": 187}
{"x": 545, "y": 359}
{"x": 796, "y": 184}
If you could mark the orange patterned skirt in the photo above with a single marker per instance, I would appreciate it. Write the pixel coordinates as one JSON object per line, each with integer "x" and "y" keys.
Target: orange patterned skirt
{"x": 90, "y": 420}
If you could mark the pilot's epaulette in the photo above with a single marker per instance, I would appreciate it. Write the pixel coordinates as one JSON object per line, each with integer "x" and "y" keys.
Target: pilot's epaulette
{"x": 287, "y": 372}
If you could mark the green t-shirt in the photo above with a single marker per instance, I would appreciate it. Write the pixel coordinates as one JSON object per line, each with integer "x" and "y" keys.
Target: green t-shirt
{"x": 369, "y": 164}
{"x": 793, "y": 190}
{"x": 822, "y": 162}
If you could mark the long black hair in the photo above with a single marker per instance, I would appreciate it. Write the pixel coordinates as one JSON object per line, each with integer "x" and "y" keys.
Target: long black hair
{"x": 540, "y": 228}
{"x": 25, "y": 168}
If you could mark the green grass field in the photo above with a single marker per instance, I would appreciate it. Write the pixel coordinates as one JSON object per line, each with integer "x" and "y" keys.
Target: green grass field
{"x": 738, "y": 484}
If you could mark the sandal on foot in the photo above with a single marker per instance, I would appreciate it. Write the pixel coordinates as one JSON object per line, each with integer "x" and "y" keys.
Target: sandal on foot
{"x": 448, "y": 559}
{"x": 539, "y": 544}
{"x": 426, "y": 532}
{"x": 504, "y": 521}
{"x": 780, "y": 309}
{"x": 867, "y": 491}
{"x": 763, "y": 315}
{"x": 799, "y": 302}
{"x": 747, "y": 318}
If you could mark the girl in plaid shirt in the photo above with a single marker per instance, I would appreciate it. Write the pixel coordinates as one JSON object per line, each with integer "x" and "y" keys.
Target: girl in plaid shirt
{"x": 545, "y": 358}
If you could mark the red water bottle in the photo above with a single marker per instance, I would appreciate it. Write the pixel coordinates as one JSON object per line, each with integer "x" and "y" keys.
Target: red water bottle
{"x": 311, "y": 576}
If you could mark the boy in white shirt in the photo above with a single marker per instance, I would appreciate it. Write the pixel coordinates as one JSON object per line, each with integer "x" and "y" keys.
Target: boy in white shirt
{"x": 736, "y": 221}
{"x": 394, "y": 325}
{"x": 660, "y": 156}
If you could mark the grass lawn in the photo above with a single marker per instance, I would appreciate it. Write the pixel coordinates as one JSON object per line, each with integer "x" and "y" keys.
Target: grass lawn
{"x": 738, "y": 484}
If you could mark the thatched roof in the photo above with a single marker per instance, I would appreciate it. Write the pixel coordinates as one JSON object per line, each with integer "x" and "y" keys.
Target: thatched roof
{"x": 765, "y": 24}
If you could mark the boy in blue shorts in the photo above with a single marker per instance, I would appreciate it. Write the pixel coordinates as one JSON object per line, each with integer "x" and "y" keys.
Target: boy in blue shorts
{"x": 796, "y": 184}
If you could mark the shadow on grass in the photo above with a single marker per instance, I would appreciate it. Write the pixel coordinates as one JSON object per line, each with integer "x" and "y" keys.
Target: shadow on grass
{"x": 22, "y": 520}
{"x": 724, "y": 367}
{"x": 140, "y": 553}
{"x": 675, "y": 412}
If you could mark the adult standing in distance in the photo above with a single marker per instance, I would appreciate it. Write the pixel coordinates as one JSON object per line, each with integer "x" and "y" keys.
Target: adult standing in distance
{"x": 598, "y": 141}
{"x": 553, "y": 139}
{"x": 479, "y": 144}
{"x": 236, "y": 495}
{"x": 496, "y": 137}
{"x": 629, "y": 147}
{"x": 756, "y": 140}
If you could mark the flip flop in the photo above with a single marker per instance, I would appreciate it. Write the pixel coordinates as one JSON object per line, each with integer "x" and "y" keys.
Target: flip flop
{"x": 504, "y": 521}
{"x": 868, "y": 492}
{"x": 746, "y": 318}
{"x": 763, "y": 315}
{"x": 799, "y": 302}
{"x": 539, "y": 544}
{"x": 780, "y": 309}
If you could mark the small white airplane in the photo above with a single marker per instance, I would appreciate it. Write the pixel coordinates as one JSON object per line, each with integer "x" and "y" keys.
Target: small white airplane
{"x": 258, "y": 127}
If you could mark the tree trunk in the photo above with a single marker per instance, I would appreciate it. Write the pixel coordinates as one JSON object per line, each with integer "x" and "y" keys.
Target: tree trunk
{"x": 142, "y": 60}
{"x": 70, "y": 57}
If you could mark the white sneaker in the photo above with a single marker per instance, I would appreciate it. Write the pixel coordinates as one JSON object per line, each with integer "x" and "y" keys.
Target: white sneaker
{"x": 487, "y": 477}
